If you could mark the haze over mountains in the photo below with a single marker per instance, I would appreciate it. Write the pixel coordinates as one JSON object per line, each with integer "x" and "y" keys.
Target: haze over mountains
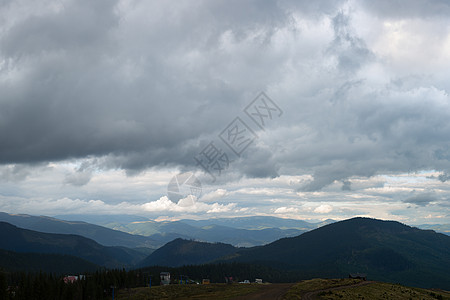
{"x": 240, "y": 232}
{"x": 140, "y": 232}
{"x": 141, "y": 225}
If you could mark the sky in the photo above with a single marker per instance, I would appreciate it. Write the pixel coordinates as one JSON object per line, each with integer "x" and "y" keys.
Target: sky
{"x": 297, "y": 109}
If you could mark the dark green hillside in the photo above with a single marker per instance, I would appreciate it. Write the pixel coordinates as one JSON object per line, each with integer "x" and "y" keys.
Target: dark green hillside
{"x": 183, "y": 252}
{"x": 385, "y": 250}
{"x": 21, "y": 240}
{"x": 50, "y": 263}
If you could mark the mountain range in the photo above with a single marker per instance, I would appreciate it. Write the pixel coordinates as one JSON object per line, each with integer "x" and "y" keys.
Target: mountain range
{"x": 100, "y": 234}
{"x": 385, "y": 250}
{"x": 135, "y": 231}
{"x": 101, "y": 246}
{"x": 240, "y": 232}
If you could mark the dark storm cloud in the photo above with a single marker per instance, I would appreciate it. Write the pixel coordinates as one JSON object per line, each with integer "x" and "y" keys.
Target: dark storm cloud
{"x": 258, "y": 162}
{"x": 81, "y": 91}
{"x": 133, "y": 85}
{"x": 83, "y": 24}
{"x": 72, "y": 102}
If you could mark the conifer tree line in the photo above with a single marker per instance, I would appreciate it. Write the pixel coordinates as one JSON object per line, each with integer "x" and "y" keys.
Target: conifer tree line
{"x": 99, "y": 284}
{"x": 45, "y": 286}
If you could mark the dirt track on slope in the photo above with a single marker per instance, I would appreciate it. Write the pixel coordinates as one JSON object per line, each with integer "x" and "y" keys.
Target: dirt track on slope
{"x": 312, "y": 295}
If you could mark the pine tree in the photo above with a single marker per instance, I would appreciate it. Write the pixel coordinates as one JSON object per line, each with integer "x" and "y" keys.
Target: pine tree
{"x": 3, "y": 286}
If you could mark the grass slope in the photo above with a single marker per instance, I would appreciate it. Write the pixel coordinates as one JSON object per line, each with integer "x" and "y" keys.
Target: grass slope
{"x": 192, "y": 291}
{"x": 375, "y": 290}
{"x": 316, "y": 288}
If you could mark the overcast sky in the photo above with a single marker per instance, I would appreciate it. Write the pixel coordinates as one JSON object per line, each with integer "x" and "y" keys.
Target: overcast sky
{"x": 103, "y": 102}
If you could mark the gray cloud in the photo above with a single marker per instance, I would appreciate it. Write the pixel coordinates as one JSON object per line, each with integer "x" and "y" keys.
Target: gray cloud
{"x": 14, "y": 172}
{"x": 414, "y": 8}
{"x": 350, "y": 50}
{"x": 346, "y": 185}
{"x": 441, "y": 177}
{"x": 77, "y": 98}
{"x": 149, "y": 84}
{"x": 78, "y": 178}
{"x": 421, "y": 199}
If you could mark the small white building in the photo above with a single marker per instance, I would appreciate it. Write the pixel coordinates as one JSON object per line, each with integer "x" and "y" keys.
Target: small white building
{"x": 165, "y": 278}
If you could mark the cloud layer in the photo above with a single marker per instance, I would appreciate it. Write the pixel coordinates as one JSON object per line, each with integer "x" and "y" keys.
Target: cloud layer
{"x": 97, "y": 87}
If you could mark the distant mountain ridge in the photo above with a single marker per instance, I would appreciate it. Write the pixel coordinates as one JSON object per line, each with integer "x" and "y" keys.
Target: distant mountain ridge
{"x": 221, "y": 234}
{"x": 258, "y": 222}
{"x": 442, "y": 228}
{"x": 239, "y": 231}
{"x": 252, "y": 223}
{"x": 243, "y": 232}
{"x": 100, "y": 234}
